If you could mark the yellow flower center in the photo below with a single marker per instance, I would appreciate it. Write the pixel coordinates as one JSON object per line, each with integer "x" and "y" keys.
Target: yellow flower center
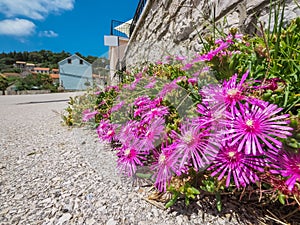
{"x": 249, "y": 123}
{"x": 110, "y": 132}
{"x": 188, "y": 137}
{"x": 161, "y": 159}
{"x": 231, "y": 154}
{"x": 127, "y": 152}
{"x": 232, "y": 92}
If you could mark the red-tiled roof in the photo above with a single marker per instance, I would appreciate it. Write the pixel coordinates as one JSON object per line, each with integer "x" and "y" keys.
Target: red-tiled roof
{"x": 54, "y": 76}
{"x": 41, "y": 69}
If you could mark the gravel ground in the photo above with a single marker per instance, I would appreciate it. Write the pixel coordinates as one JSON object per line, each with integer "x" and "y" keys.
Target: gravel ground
{"x": 51, "y": 174}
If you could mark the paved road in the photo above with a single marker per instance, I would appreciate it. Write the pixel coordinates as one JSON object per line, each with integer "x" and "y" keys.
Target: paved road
{"x": 50, "y": 174}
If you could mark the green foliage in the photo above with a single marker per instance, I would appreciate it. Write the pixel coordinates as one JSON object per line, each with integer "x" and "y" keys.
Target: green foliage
{"x": 43, "y": 58}
{"x": 105, "y": 100}
{"x": 281, "y": 198}
{"x": 3, "y": 84}
{"x": 35, "y": 82}
{"x": 187, "y": 190}
{"x": 76, "y": 106}
{"x": 272, "y": 57}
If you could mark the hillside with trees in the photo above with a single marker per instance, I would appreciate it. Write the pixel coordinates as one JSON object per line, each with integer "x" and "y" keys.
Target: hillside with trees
{"x": 42, "y": 58}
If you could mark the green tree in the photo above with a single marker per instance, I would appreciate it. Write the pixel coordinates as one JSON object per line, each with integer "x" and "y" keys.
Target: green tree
{"x": 3, "y": 84}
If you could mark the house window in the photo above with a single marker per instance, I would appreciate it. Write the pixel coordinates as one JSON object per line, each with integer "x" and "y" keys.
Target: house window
{"x": 69, "y": 61}
{"x": 81, "y": 61}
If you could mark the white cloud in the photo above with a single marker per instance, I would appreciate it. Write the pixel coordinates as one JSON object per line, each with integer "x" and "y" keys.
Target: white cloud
{"x": 17, "y": 27}
{"x": 34, "y": 9}
{"x": 48, "y": 33}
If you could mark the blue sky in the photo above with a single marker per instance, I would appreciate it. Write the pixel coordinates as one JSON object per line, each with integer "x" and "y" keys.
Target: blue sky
{"x": 56, "y": 25}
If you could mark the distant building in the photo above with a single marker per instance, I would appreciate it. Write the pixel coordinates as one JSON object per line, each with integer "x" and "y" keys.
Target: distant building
{"x": 54, "y": 74}
{"x": 41, "y": 70}
{"x": 117, "y": 42}
{"x": 20, "y": 64}
{"x": 75, "y": 73}
{"x": 29, "y": 66}
{"x": 24, "y": 66}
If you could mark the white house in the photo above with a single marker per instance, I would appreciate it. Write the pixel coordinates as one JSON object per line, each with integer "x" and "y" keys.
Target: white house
{"x": 75, "y": 73}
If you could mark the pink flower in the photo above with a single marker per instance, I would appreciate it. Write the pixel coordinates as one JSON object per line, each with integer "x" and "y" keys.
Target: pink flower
{"x": 151, "y": 84}
{"x": 235, "y": 164}
{"x": 106, "y": 131}
{"x": 109, "y": 88}
{"x": 117, "y": 106}
{"x": 187, "y": 66}
{"x": 211, "y": 54}
{"x": 251, "y": 127}
{"x": 169, "y": 87}
{"x": 87, "y": 115}
{"x": 195, "y": 146}
{"x": 142, "y": 101}
{"x": 289, "y": 167}
{"x": 193, "y": 80}
{"x": 165, "y": 165}
{"x": 225, "y": 96}
{"x": 129, "y": 132}
{"x": 152, "y": 134}
{"x": 155, "y": 113}
{"x": 129, "y": 158}
{"x": 180, "y": 58}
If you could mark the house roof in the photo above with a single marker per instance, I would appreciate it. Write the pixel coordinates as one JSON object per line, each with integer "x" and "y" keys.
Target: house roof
{"x": 30, "y": 64}
{"x": 54, "y": 76}
{"x": 20, "y": 62}
{"x": 55, "y": 70}
{"x": 74, "y": 55}
{"x": 41, "y": 68}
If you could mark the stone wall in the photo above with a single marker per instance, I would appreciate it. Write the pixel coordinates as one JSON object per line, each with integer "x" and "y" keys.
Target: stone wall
{"x": 174, "y": 26}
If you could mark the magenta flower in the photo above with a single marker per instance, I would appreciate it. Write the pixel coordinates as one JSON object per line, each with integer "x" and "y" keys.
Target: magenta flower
{"x": 195, "y": 146}
{"x": 117, "y": 106}
{"x": 133, "y": 85}
{"x": 193, "y": 80}
{"x": 187, "y": 66}
{"x": 252, "y": 127}
{"x": 231, "y": 162}
{"x": 129, "y": 158}
{"x": 87, "y": 115}
{"x": 142, "y": 101}
{"x": 165, "y": 165}
{"x": 152, "y": 134}
{"x": 169, "y": 87}
{"x": 288, "y": 165}
{"x": 180, "y": 58}
{"x": 211, "y": 54}
{"x": 155, "y": 113}
{"x": 110, "y": 88}
{"x": 106, "y": 131}
{"x": 128, "y": 133}
{"x": 142, "y": 104}
{"x": 151, "y": 84}
{"x": 209, "y": 117}
{"x": 227, "y": 95}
